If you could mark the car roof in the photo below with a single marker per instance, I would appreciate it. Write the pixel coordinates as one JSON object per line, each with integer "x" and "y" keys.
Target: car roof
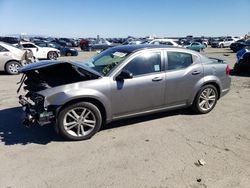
{"x": 133, "y": 48}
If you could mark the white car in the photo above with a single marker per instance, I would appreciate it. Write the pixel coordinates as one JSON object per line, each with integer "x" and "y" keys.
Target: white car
{"x": 169, "y": 42}
{"x": 12, "y": 58}
{"x": 226, "y": 42}
{"x": 41, "y": 52}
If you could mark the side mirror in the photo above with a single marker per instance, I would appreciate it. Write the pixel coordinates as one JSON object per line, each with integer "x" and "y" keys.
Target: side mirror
{"x": 124, "y": 75}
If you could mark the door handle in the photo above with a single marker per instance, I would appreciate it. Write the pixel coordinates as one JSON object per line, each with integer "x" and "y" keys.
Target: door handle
{"x": 196, "y": 72}
{"x": 157, "y": 79}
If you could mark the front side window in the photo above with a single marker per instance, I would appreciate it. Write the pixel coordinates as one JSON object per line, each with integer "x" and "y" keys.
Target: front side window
{"x": 145, "y": 63}
{"x": 178, "y": 60}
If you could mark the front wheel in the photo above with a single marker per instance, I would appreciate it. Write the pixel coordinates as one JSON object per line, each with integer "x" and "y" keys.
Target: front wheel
{"x": 221, "y": 46}
{"x": 206, "y": 99}
{"x": 52, "y": 55}
{"x": 12, "y": 67}
{"x": 79, "y": 121}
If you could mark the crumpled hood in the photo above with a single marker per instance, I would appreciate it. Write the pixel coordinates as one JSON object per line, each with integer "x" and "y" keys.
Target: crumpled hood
{"x": 47, "y": 63}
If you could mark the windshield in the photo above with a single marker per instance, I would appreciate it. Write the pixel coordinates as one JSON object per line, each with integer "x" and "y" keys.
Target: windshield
{"x": 105, "y": 62}
{"x": 54, "y": 45}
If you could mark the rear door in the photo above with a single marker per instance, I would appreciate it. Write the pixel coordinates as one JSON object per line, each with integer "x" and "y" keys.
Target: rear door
{"x": 183, "y": 71}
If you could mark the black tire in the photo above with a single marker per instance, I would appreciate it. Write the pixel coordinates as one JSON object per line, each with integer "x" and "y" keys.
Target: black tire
{"x": 12, "y": 67}
{"x": 52, "y": 55}
{"x": 236, "y": 69}
{"x": 222, "y": 46}
{"x": 63, "y": 113}
{"x": 196, "y": 104}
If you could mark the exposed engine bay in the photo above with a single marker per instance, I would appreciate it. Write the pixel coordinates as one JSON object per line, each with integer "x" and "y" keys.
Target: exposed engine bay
{"x": 42, "y": 78}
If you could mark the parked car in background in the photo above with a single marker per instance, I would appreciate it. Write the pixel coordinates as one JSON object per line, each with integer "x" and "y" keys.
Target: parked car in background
{"x": 195, "y": 46}
{"x": 169, "y": 42}
{"x": 12, "y": 58}
{"x": 64, "y": 51}
{"x": 222, "y": 43}
{"x": 40, "y": 52}
{"x": 240, "y": 44}
{"x": 200, "y": 40}
{"x": 61, "y": 42}
{"x": 120, "y": 82}
{"x": 84, "y": 44}
{"x": 100, "y": 44}
{"x": 243, "y": 61}
{"x": 73, "y": 42}
{"x": 10, "y": 40}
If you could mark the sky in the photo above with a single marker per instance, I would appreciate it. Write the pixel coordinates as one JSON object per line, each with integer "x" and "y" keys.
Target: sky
{"x": 122, "y": 18}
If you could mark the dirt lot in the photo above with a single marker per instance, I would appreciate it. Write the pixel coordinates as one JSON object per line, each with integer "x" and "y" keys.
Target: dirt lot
{"x": 156, "y": 151}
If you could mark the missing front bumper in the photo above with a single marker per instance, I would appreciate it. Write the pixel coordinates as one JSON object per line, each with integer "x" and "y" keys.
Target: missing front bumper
{"x": 34, "y": 115}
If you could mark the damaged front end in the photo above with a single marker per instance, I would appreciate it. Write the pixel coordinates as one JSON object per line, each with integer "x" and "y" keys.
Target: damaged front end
{"x": 35, "y": 113}
{"x": 44, "y": 76}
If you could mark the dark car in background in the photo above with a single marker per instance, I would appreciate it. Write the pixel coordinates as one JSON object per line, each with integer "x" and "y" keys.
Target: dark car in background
{"x": 10, "y": 40}
{"x": 64, "y": 51}
{"x": 62, "y": 42}
{"x": 243, "y": 61}
{"x": 73, "y": 42}
{"x": 240, "y": 44}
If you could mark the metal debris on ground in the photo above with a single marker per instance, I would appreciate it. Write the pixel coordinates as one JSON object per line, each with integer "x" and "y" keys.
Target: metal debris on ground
{"x": 201, "y": 162}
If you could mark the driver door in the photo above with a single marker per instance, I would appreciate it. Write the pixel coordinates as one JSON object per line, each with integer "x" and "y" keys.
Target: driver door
{"x": 145, "y": 91}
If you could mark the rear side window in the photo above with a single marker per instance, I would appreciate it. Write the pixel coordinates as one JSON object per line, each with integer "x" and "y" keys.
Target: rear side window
{"x": 2, "y": 49}
{"x": 178, "y": 60}
{"x": 146, "y": 63}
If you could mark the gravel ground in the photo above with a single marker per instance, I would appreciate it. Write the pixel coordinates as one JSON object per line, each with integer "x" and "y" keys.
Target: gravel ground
{"x": 156, "y": 151}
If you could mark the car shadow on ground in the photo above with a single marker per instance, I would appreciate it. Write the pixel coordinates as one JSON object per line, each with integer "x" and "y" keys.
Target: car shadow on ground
{"x": 3, "y": 73}
{"x": 13, "y": 132}
{"x": 141, "y": 119}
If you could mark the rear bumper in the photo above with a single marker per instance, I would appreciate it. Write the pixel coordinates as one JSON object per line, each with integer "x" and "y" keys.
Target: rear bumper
{"x": 224, "y": 92}
{"x": 227, "y": 86}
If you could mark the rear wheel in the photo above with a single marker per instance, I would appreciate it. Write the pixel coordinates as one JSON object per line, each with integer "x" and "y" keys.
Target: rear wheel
{"x": 68, "y": 54}
{"x": 12, "y": 67}
{"x": 206, "y": 99}
{"x": 79, "y": 121}
{"x": 222, "y": 46}
{"x": 52, "y": 55}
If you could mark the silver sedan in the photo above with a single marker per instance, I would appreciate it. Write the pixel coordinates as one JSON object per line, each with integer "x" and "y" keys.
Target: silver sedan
{"x": 121, "y": 82}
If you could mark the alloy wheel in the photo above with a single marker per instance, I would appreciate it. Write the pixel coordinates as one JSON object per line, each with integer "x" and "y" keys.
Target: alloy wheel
{"x": 207, "y": 99}
{"x": 52, "y": 55}
{"x": 79, "y": 122}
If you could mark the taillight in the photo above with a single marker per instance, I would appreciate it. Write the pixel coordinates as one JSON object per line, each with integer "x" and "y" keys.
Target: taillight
{"x": 227, "y": 71}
